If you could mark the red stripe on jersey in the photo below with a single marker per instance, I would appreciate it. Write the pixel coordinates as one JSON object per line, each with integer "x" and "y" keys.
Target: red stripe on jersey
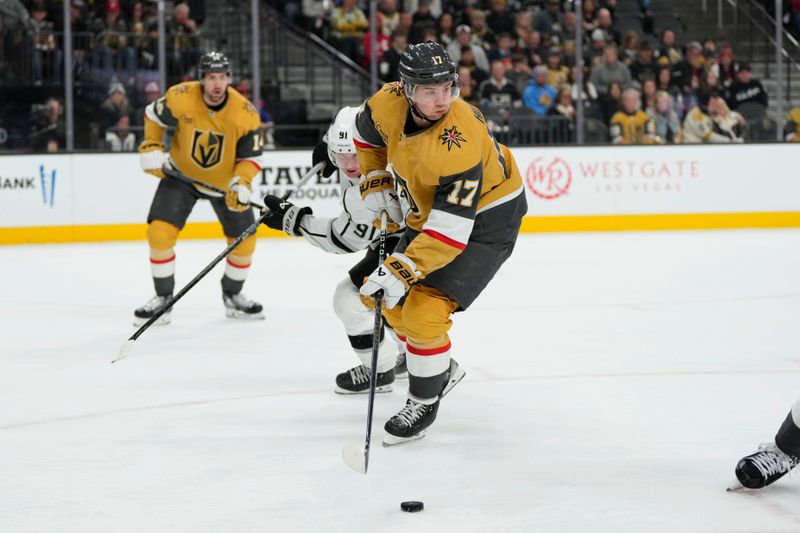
{"x": 361, "y": 144}
{"x": 445, "y": 239}
{"x": 161, "y": 261}
{"x": 401, "y": 338}
{"x": 258, "y": 167}
{"x": 428, "y": 351}
{"x": 238, "y": 266}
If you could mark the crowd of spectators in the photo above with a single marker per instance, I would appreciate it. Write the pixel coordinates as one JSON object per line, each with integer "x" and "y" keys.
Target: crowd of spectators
{"x": 517, "y": 59}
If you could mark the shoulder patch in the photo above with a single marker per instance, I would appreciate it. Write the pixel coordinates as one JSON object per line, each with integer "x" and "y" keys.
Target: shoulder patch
{"x": 452, "y": 137}
{"x": 249, "y": 107}
{"x": 394, "y": 88}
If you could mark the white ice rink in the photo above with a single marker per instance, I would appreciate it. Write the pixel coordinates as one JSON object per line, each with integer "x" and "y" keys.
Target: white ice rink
{"x": 613, "y": 381}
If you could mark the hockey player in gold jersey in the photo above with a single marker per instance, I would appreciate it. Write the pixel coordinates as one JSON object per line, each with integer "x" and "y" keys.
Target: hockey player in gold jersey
{"x": 466, "y": 201}
{"x": 217, "y": 141}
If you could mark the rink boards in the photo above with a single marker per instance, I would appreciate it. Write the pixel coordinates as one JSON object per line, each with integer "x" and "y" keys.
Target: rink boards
{"x": 103, "y": 197}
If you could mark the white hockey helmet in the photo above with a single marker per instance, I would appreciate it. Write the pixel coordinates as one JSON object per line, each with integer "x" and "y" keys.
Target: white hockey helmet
{"x": 340, "y": 133}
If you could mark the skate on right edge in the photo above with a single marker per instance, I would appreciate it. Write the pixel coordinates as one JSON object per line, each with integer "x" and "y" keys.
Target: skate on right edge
{"x": 151, "y": 308}
{"x": 414, "y": 419}
{"x": 356, "y": 381}
{"x": 764, "y": 467}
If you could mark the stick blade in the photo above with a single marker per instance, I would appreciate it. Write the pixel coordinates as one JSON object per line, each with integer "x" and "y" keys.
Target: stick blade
{"x": 124, "y": 350}
{"x": 355, "y": 456}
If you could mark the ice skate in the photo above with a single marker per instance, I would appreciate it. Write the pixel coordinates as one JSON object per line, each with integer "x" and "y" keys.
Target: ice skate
{"x": 151, "y": 308}
{"x": 764, "y": 467}
{"x": 400, "y": 367}
{"x": 454, "y": 375}
{"x": 356, "y": 381}
{"x": 410, "y": 423}
{"x": 240, "y": 306}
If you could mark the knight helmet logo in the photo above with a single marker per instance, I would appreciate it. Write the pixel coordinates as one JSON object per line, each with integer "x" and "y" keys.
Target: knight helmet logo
{"x": 207, "y": 148}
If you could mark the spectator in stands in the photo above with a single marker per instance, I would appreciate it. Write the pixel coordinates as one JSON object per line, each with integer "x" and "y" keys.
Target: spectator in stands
{"x": 588, "y": 93}
{"x": 664, "y": 83}
{"x": 611, "y": 102}
{"x": 463, "y": 39}
{"x": 631, "y": 125}
{"x": 45, "y": 57}
{"x": 481, "y": 33}
{"x": 594, "y": 56}
{"x": 669, "y": 53}
{"x": 120, "y": 138}
{"x": 746, "y": 89}
{"x": 610, "y": 70}
{"x": 382, "y": 42}
{"x": 699, "y": 127}
{"x": 446, "y": 28}
{"x": 151, "y": 93}
{"x": 791, "y": 130}
{"x": 48, "y": 131}
{"x": 563, "y": 130}
{"x": 520, "y": 72}
{"x": 503, "y": 49}
{"x": 141, "y": 25}
{"x": 405, "y": 23}
{"x": 630, "y": 49}
{"x": 467, "y": 87}
{"x": 709, "y": 51}
{"x": 467, "y": 60}
{"x": 499, "y": 19}
{"x": 539, "y": 96}
{"x": 709, "y": 85}
{"x": 534, "y": 49}
{"x": 725, "y": 68}
{"x": 648, "y": 93}
{"x": 567, "y": 35}
{"x": 498, "y": 92}
{"x": 557, "y": 74}
{"x": 435, "y": 6}
{"x": 606, "y": 23}
{"x": 315, "y": 15}
{"x": 687, "y": 73}
{"x": 668, "y": 125}
{"x": 589, "y": 16}
{"x": 112, "y": 49}
{"x": 644, "y": 66}
{"x": 391, "y": 16}
{"x": 423, "y": 20}
{"x": 522, "y": 27}
{"x": 115, "y": 105}
{"x": 348, "y": 24}
{"x": 267, "y": 125}
{"x": 388, "y": 65}
{"x": 184, "y": 42}
{"x": 551, "y": 15}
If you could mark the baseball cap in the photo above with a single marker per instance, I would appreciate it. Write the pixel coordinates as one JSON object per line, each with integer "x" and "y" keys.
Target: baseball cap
{"x": 463, "y": 27}
{"x": 116, "y": 87}
{"x": 598, "y": 35}
{"x": 112, "y": 6}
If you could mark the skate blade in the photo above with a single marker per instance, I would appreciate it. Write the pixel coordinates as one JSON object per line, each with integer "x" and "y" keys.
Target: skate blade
{"x": 391, "y": 440}
{"x": 355, "y": 457}
{"x": 378, "y": 390}
{"x": 736, "y": 486}
{"x": 163, "y": 320}
{"x": 235, "y": 313}
{"x": 401, "y": 375}
{"x": 454, "y": 380}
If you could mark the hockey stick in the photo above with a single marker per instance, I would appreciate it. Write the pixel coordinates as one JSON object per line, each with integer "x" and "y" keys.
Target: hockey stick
{"x": 127, "y": 346}
{"x": 354, "y": 456}
{"x": 176, "y": 174}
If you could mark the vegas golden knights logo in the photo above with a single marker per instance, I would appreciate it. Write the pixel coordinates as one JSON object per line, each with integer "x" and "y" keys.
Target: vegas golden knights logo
{"x": 207, "y": 148}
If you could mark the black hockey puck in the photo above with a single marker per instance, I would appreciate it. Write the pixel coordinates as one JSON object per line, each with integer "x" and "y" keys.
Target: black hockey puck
{"x": 412, "y": 507}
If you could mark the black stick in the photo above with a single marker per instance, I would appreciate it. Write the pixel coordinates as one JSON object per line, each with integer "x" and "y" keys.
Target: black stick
{"x": 176, "y": 174}
{"x": 128, "y": 345}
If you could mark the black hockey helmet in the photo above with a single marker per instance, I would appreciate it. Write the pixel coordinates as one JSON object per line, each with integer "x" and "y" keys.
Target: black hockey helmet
{"x": 213, "y": 62}
{"x": 426, "y": 63}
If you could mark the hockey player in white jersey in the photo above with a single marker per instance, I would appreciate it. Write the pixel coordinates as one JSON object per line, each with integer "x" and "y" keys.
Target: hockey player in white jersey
{"x": 774, "y": 460}
{"x": 343, "y": 235}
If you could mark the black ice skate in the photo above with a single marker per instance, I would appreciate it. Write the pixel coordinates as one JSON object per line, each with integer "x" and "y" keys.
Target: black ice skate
{"x": 151, "y": 308}
{"x": 400, "y": 368}
{"x": 454, "y": 374}
{"x": 764, "y": 467}
{"x": 356, "y": 381}
{"x": 410, "y": 423}
{"x": 240, "y": 306}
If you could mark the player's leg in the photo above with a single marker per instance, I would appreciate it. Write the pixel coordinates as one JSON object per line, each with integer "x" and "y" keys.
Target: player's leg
{"x": 773, "y": 461}
{"x": 171, "y": 205}
{"x": 238, "y": 263}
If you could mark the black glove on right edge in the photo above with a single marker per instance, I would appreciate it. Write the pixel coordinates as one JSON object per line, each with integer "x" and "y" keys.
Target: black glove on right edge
{"x": 284, "y": 215}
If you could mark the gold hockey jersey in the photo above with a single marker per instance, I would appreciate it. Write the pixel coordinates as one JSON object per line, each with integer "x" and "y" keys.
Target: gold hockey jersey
{"x": 449, "y": 173}
{"x": 210, "y": 145}
{"x": 792, "y": 128}
{"x": 638, "y": 128}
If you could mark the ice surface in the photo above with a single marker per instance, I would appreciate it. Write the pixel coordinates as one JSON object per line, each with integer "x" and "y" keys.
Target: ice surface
{"x": 613, "y": 381}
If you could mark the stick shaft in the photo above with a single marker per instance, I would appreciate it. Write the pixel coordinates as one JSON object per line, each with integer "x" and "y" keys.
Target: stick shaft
{"x": 180, "y": 176}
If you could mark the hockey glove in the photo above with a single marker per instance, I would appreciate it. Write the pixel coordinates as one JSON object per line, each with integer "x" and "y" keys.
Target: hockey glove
{"x": 237, "y": 197}
{"x": 152, "y": 158}
{"x": 378, "y": 194}
{"x": 395, "y": 277}
{"x": 321, "y": 155}
{"x": 284, "y": 215}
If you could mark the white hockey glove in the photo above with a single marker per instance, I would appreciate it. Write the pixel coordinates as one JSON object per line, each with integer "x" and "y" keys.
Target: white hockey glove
{"x": 237, "y": 197}
{"x": 378, "y": 194}
{"x": 395, "y": 277}
{"x": 152, "y": 158}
